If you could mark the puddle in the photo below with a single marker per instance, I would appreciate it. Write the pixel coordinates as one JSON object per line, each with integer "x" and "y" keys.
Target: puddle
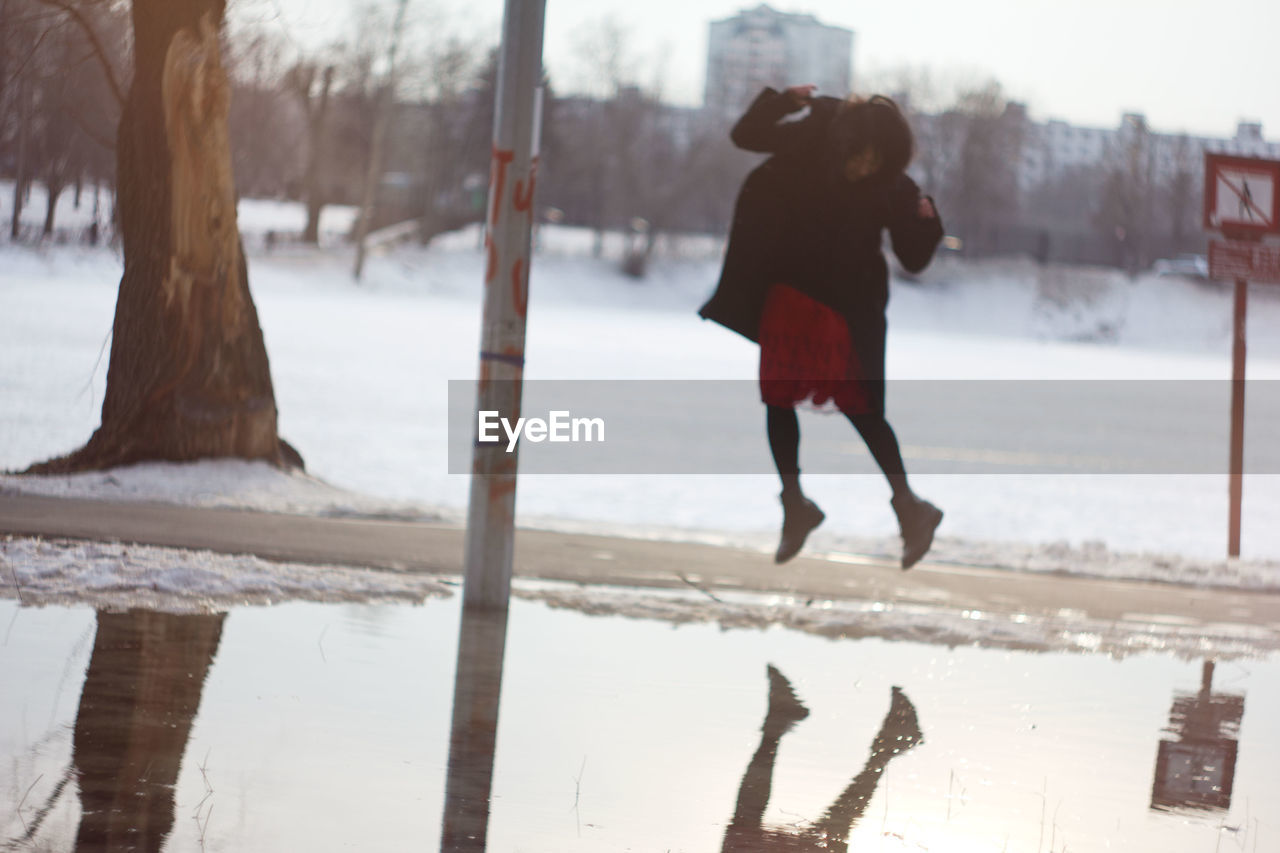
{"x": 328, "y": 727}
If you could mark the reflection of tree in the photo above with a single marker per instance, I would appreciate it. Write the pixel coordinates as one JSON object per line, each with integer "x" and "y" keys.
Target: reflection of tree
{"x": 140, "y": 696}
{"x": 746, "y": 833}
{"x": 1198, "y": 769}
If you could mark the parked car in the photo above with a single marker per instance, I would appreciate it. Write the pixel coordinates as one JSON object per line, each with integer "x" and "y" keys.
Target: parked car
{"x": 1186, "y": 266}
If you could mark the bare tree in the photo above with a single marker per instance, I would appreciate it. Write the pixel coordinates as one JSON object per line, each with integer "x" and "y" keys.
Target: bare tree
{"x": 607, "y": 68}
{"x": 310, "y": 85}
{"x": 382, "y": 116}
{"x": 620, "y": 158}
{"x": 1125, "y": 208}
{"x": 188, "y": 376}
{"x": 1183, "y": 192}
{"x": 58, "y": 95}
{"x": 265, "y": 123}
{"x": 980, "y": 187}
{"x": 449, "y": 148}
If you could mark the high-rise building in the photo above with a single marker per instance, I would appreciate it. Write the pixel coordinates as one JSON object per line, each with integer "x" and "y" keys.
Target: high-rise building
{"x": 764, "y": 47}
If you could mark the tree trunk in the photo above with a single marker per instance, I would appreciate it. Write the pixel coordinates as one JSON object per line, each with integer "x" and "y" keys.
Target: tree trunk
{"x": 188, "y": 376}
{"x": 20, "y": 179}
{"x": 316, "y": 120}
{"x": 53, "y": 188}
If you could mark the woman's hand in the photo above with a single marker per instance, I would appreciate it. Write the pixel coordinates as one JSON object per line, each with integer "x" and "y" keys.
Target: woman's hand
{"x": 926, "y": 210}
{"x": 800, "y": 95}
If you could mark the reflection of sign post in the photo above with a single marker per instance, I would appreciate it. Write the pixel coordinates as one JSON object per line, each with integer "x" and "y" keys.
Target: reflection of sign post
{"x": 1197, "y": 770}
{"x": 1242, "y": 202}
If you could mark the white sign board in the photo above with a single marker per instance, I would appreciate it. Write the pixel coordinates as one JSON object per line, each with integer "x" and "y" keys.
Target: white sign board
{"x": 1241, "y": 195}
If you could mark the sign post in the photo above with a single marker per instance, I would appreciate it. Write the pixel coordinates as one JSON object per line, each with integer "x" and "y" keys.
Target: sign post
{"x": 508, "y": 226}
{"x": 490, "y": 536}
{"x": 1235, "y": 486}
{"x": 1242, "y": 202}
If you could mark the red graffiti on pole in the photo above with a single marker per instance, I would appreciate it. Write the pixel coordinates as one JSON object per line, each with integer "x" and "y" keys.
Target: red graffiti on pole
{"x": 491, "y": 253}
{"x": 519, "y": 288}
{"x": 522, "y": 197}
{"x": 502, "y": 158}
{"x": 500, "y": 487}
{"x": 498, "y": 177}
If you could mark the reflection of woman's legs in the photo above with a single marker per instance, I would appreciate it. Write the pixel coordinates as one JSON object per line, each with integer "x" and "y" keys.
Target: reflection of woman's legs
{"x": 838, "y": 822}
{"x": 757, "y": 784}
{"x": 883, "y": 444}
{"x": 785, "y": 710}
{"x": 899, "y": 732}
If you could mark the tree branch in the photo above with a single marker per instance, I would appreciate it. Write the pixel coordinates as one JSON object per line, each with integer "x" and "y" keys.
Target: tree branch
{"x": 78, "y": 16}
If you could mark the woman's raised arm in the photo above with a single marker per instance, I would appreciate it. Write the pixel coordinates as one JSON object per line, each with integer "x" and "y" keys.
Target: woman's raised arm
{"x": 759, "y": 128}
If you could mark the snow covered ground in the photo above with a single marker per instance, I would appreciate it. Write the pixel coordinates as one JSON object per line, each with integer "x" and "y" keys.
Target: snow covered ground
{"x": 115, "y": 576}
{"x": 361, "y": 373}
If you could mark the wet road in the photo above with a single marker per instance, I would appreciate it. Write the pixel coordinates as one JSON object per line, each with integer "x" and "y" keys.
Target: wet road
{"x": 588, "y": 559}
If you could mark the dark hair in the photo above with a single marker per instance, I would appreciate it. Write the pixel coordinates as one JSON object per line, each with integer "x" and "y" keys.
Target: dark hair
{"x": 876, "y": 123}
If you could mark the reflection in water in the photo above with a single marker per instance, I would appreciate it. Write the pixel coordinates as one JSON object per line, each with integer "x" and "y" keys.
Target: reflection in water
{"x": 1198, "y": 769}
{"x": 472, "y": 738}
{"x": 140, "y": 696}
{"x": 746, "y": 833}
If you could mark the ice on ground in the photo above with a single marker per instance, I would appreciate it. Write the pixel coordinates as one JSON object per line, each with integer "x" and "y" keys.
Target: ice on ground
{"x": 116, "y": 576}
{"x": 1067, "y": 632}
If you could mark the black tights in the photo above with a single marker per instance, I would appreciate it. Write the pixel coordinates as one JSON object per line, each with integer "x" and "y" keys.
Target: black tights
{"x": 784, "y": 440}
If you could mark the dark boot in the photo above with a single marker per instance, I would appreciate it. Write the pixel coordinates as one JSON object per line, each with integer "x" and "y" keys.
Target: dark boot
{"x": 917, "y": 519}
{"x": 799, "y": 517}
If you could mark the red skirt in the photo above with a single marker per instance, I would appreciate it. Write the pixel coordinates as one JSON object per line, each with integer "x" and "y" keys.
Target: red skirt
{"x": 806, "y": 354}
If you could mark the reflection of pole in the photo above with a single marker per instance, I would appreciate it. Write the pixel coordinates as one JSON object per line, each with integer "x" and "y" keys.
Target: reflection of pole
{"x": 1237, "y": 418}
{"x": 472, "y": 738}
{"x": 491, "y": 514}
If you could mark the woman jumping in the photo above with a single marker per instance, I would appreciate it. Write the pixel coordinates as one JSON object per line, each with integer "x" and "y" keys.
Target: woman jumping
{"x": 805, "y": 277}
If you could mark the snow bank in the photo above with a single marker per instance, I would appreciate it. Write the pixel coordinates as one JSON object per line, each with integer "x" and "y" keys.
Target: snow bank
{"x": 114, "y": 576}
{"x": 224, "y": 483}
{"x": 1063, "y": 632}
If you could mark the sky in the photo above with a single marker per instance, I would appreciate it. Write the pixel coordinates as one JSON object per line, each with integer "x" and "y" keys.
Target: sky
{"x": 1188, "y": 65}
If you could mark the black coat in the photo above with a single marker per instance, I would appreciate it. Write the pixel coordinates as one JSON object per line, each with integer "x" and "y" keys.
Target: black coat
{"x": 799, "y": 221}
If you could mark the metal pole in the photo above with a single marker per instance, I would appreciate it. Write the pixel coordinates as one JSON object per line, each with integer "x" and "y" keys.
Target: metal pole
{"x": 513, "y": 166}
{"x": 1236, "y": 487}
{"x": 491, "y": 513}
